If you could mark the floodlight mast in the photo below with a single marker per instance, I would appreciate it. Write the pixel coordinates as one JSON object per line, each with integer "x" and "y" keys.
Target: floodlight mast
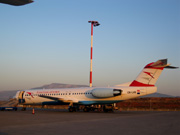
{"x": 93, "y": 23}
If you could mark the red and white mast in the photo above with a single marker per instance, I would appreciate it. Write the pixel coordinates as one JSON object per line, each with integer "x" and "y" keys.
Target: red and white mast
{"x": 93, "y": 23}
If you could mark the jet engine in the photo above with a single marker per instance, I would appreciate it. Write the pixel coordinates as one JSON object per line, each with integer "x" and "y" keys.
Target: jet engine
{"x": 106, "y": 92}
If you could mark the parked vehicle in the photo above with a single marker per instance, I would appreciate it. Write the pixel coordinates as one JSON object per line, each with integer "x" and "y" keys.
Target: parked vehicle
{"x": 8, "y": 108}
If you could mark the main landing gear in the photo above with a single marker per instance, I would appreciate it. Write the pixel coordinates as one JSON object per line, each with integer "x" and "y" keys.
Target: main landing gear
{"x": 72, "y": 109}
{"x": 92, "y": 108}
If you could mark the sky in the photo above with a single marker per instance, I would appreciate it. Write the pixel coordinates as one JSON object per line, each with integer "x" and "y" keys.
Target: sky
{"x": 49, "y": 42}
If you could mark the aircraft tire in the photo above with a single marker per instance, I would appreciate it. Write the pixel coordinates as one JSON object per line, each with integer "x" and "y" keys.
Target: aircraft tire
{"x": 107, "y": 110}
{"x": 86, "y": 109}
{"x": 23, "y": 109}
{"x": 71, "y": 109}
{"x": 92, "y": 109}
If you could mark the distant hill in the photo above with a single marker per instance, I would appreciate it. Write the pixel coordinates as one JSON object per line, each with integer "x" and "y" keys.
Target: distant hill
{"x": 157, "y": 95}
{"x": 5, "y": 95}
{"x": 59, "y": 85}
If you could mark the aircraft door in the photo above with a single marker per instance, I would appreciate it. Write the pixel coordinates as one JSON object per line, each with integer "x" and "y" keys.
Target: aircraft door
{"x": 20, "y": 97}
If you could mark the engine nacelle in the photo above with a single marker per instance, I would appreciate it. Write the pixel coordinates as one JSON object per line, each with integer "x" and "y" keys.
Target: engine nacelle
{"x": 106, "y": 92}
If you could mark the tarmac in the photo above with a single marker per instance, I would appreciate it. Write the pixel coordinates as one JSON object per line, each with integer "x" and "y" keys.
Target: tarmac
{"x": 62, "y": 122}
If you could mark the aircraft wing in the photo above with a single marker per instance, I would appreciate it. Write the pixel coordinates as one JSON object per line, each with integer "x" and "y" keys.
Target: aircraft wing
{"x": 16, "y": 2}
{"x": 65, "y": 100}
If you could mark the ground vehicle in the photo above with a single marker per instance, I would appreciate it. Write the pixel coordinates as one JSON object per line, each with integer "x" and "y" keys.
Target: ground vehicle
{"x": 8, "y": 108}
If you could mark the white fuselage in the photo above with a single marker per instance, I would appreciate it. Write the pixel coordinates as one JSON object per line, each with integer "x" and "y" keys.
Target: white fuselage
{"x": 82, "y": 96}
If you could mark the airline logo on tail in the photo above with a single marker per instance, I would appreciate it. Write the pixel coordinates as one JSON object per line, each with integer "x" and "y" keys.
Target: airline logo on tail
{"x": 150, "y": 74}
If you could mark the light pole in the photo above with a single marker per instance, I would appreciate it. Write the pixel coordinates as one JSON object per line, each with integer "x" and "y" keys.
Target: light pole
{"x": 93, "y": 23}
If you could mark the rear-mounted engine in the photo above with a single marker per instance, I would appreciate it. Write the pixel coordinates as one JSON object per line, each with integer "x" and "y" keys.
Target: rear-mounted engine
{"x": 106, "y": 92}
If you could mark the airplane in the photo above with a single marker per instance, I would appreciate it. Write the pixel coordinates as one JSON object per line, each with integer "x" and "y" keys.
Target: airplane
{"x": 91, "y": 97}
{"x": 16, "y": 2}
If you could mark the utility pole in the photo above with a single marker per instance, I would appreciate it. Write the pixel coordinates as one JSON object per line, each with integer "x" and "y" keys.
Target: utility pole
{"x": 93, "y": 23}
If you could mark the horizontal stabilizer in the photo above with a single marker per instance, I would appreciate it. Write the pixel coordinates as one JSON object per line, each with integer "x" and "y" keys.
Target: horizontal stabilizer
{"x": 159, "y": 63}
{"x": 171, "y": 67}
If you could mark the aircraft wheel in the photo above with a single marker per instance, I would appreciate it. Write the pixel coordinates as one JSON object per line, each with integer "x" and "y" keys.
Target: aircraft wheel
{"x": 23, "y": 109}
{"x": 72, "y": 109}
{"x": 86, "y": 109}
{"x": 105, "y": 110}
{"x": 100, "y": 109}
{"x": 92, "y": 109}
